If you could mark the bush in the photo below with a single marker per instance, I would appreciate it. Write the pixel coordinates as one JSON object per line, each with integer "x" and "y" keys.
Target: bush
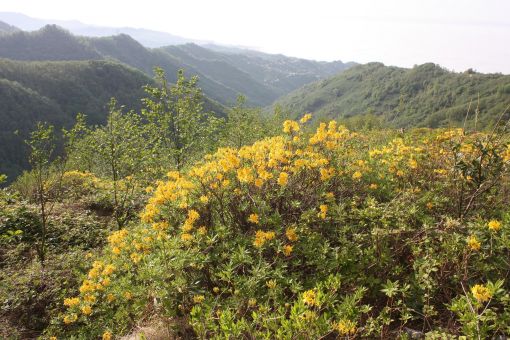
{"x": 332, "y": 234}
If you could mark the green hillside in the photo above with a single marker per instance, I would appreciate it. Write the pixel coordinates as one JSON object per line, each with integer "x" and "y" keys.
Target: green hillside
{"x": 223, "y": 74}
{"x": 56, "y": 92}
{"x": 49, "y": 43}
{"x": 426, "y": 95}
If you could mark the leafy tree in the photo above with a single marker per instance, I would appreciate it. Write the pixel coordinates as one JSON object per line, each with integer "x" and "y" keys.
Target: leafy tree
{"x": 244, "y": 125}
{"x": 116, "y": 152}
{"x": 48, "y": 171}
{"x": 179, "y": 127}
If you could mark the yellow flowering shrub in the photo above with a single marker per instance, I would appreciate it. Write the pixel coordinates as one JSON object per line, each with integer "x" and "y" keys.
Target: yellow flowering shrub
{"x": 328, "y": 232}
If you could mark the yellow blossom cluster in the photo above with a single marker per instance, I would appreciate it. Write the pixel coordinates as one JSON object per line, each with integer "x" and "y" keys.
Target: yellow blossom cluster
{"x": 494, "y": 225}
{"x": 473, "y": 243}
{"x": 262, "y": 237}
{"x": 345, "y": 327}
{"x": 481, "y": 293}
{"x": 310, "y": 298}
{"x": 290, "y": 126}
{"x": 323, "y": 211}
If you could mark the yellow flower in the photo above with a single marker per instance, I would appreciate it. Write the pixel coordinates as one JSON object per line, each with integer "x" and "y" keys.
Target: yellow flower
{"x": 254, "y": 218}
{"x": 262, "y": 236}
{"x": 87, "y": 286}
{"x": 473, "y": 243}
{"x": 412, "y": 164}
{"x": 87, "y": 310}
{"x": 305, "y": 118}
{"x": 291, "y": 234}
{"x": 290, "y": 126}
{"x": 110, "y": 297}
{"x": 345, "y": 327}
{"x": 202, "y": 230}
{"x": 198, "y": 299}
{"x": 89, "y": 298}
{"x": 108, "y": 269}
{"x": 271, "y": 284}
{"x": 324, "y": 211}
{"x": 193, "y": 215}
{"x": 245, "y": 175}
{"x": 107, "y": 335}
{"x": 216, "y": 290}
{"x": 128, "y": 295}
{"x": 204, "y": 199}
{"x": 481, "y": 293}
{"x": 287, "y": 250}
{"x": 283, "y": 179}
{"x": 494, "y": 225}
{"x": 187, "y": 227}
{"x": 327, "y": 173}
{"x": 259, "y": 182}
{"x": 373, "y": 186}
{"x": 309, "y": 298}
{"x": 70, "y": 318}
{"x": 70, "y": 302}
{"x": 252, "y": 302}
{"x": 357, "y": 175}
{"x": 186, "y": 237}
{"x": 135, "y": 257}
{"x": 53, "y": 338}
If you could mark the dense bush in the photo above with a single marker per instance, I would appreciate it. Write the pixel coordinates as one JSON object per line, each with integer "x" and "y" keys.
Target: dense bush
{"x": 305, "y": 236}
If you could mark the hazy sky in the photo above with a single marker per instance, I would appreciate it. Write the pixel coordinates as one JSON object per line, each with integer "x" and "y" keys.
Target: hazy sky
{"x": 456, "y": 34}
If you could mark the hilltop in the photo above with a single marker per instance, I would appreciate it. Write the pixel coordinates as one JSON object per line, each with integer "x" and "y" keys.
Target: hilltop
{"x": 425, "y": 95}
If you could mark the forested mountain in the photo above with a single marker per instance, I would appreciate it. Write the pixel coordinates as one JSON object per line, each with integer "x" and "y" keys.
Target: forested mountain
{"x": 6, "y": 28}
{"x": 55, "y": 92}
{"x": 49, "y": 43}
{"x": 426, "y": 95}
{"x": 146, "y": 37}
{"x": 223, "y": 74}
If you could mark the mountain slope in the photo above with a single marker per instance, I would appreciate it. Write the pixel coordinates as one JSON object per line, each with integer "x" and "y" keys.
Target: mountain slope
{"x": 223, "y": 75}
{"x": 426, "y": 95}
{"x": 6, "y": 28}
{"x": 49, "y": 43}
{"x": 55, "y": 92}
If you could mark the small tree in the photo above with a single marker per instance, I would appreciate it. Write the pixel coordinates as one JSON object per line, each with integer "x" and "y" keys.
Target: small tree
{"x": 117, "y": 151}
{"x": 48, "y": 171}
{"x": 244, "y": 125}
{"x": 179, "y": 127}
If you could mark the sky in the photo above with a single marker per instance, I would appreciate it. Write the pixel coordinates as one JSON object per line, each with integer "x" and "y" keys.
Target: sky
{"x": 457, "y": 34}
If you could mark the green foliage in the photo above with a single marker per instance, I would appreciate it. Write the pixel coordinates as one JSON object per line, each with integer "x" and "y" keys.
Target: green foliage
{"x": 116, "y": 152}
{"x": 245, "y": 125}
{"x": 54, "y": 92}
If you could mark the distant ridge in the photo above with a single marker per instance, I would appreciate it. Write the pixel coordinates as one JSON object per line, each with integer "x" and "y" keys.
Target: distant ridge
{"x": 424, "y": 96}
{"x": 261, "y": 77}
{"x": 6, "y": 28}
{"x": 148, "y": 38}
